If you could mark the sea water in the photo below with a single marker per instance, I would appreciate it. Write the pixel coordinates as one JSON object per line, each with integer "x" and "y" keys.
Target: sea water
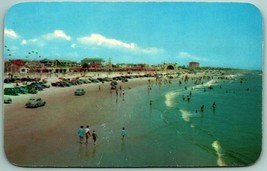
{"x": 231, "y": 132}
{"x": 172, "y": 132}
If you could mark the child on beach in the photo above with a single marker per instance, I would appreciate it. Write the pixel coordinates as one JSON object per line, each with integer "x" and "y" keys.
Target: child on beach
{"x": 94, "y": 136}
{"x": 123, "y": 93}
{"x": 123, "y": 133}
{"x": 81, "y": 134}
{"x": 87, "y": 133}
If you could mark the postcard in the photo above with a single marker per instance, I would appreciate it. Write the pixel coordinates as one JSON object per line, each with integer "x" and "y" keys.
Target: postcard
{"x": 133, "y": 84}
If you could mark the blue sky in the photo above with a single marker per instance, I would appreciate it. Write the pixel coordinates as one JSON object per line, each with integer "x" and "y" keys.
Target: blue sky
{"x": 213, "y": 34}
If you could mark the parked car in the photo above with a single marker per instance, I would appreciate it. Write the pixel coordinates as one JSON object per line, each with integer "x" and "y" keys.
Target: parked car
{"x": 21, "y": 90}
{"x": 58, "y": 84}
{"x": 31, "y": 90}
{"x": 107, "y": 79}
{"x": 93, "y": 80}
{"x": 7, "y": 100}
{"x": 35, "y": 102}
{"x": 113, "y": 83}
{"x": 10, "y": 91}
{"x": 124, "y": 80}
{"x": 37, "y": 86}
{"x": 79, "y": 92}
{"x": 44, "y": 85}
{"x": 66, "y": 83}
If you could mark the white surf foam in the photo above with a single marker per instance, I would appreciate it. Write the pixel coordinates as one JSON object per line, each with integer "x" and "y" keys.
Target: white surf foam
{"x": 207, "y": 84}
{"x": 186, "y": 115}
{"x": 170, "y": 98}
{"x": 217, "y": 147}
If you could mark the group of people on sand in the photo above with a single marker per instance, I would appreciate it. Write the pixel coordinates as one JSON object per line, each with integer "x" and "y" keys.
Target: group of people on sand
{"x": 85, "y": 132}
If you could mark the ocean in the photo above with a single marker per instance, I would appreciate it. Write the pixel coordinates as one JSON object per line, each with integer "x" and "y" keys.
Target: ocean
{"x": 174, "y": 132}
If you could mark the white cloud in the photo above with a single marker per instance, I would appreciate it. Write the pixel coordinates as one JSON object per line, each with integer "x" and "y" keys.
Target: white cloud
{"x": 100, "y": 40}
{"x": 185, "y": 55}
{"x": 57, "y": 34}
{"x": 11, "y": 33}
{"x": 25, "y": 42}
{"x": 35, "y": 41}
{"x": 73, "y": 45}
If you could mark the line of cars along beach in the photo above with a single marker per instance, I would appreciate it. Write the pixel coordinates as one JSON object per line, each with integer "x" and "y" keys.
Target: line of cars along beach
{"x": 34, "y": 85}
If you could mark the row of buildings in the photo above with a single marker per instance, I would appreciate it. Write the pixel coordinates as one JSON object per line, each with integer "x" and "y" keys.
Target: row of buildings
{"x": 87, "y": 64}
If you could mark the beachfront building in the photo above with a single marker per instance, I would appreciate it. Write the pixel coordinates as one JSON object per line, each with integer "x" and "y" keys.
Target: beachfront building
{"x": 34, "y": 66}
{"x": 24, "y": 70}
{"x": 193, "y": 65}
{"x": 59, "y": 63}
{"x": 39, "y": 66}
{"x": 14, "y": 65}
{"x": 93, "y": 63}
{"x": 57, "y": 66}
{"x": 169, "y": 67}
{"x": 131, "y": 67}
{"x": 109, "y": 65}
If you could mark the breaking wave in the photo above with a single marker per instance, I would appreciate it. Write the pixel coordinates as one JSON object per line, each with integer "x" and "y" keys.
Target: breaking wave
{"x": 186, "y": 115}
{"x": 219, "y": 151}
{"x": 170, "y": 98}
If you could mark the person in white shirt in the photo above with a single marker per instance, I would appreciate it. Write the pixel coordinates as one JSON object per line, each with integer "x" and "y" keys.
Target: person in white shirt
{"x": 87, "y": 133}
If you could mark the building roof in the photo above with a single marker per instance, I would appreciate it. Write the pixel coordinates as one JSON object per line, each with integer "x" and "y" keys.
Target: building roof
{"x": 193, "y": 62}
{"x": 93, "y": 60}
{"x": 18, "y": 62}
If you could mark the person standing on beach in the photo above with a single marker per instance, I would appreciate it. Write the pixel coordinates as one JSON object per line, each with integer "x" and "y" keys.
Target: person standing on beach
{"x": 202, "y": 108}
{"x": 123, "y": 133}
{"x": 123, "y": 93}
{"x": 81, "y": 134}
{"x": 117, "y": 92}
{"x": 87, "y": 134}
{"x": 94, "y": 136}
{"x": 150, "y": 102}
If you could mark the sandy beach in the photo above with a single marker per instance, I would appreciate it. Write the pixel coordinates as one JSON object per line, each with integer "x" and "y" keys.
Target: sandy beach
{"x": 51, "y": 129}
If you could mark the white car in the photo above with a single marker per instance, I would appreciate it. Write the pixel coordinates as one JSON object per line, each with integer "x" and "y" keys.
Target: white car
{"x": 7, "y": 100}
{"x": 79, "y": 92}
{"x": 35, "y": 102}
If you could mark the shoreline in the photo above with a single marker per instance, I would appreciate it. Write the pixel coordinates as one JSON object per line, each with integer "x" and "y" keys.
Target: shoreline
{"x": 58, "y": 77}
